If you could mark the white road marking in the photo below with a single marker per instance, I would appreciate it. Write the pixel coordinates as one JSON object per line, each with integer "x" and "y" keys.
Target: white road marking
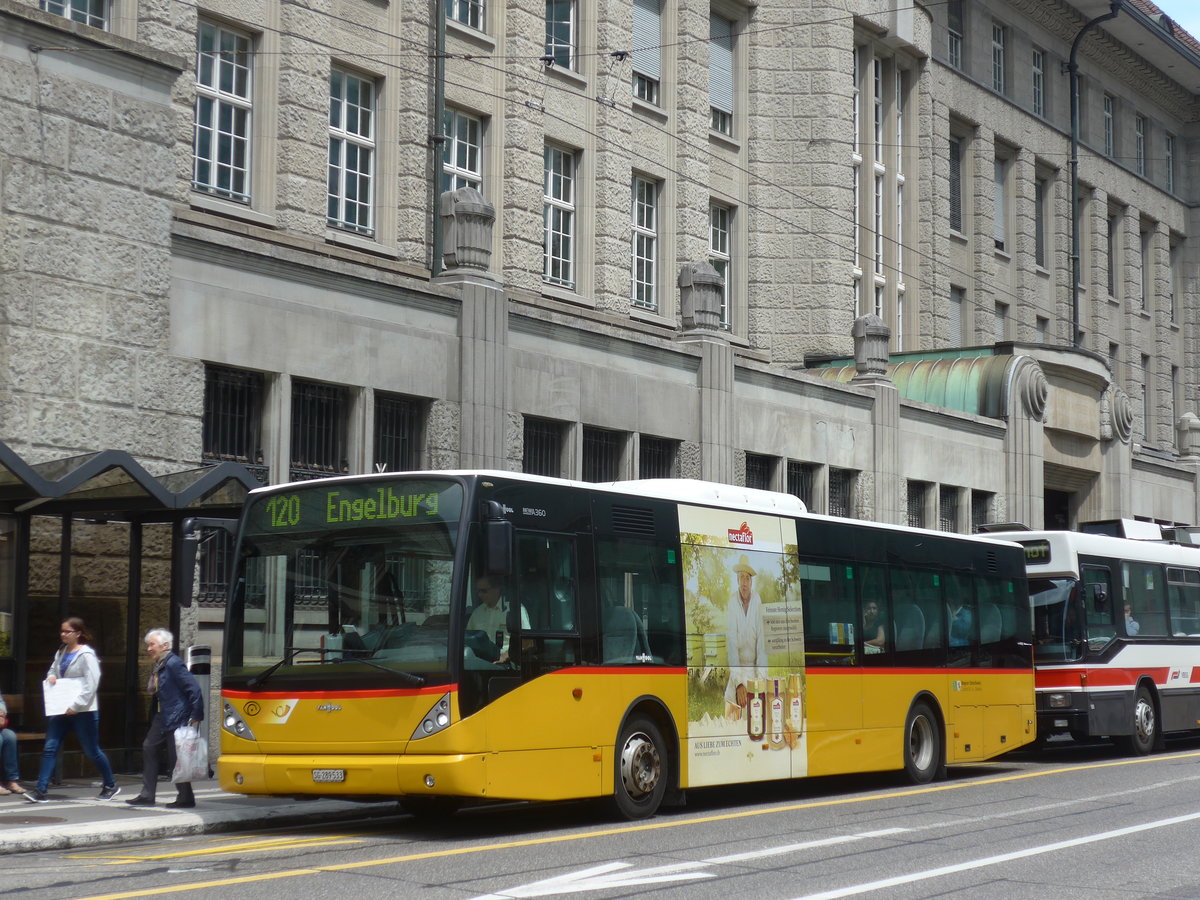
{"x": 996, "y": 860}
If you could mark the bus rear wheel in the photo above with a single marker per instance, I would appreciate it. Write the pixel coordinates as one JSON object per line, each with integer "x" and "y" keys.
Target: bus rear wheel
{"x": 1145, "y": 725}
{"x": 642, "y": 769}
{"x": 922, "y": 744}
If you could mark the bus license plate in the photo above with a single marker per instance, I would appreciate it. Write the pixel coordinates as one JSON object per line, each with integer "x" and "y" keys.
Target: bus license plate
{"x": 329, "y": 775}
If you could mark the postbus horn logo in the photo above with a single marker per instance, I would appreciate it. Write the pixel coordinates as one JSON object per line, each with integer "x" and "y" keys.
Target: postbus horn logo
{"x": 742, "y": 535}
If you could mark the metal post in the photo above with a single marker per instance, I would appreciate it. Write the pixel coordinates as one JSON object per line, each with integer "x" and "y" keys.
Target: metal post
{"x": 1073, "y": 69}
{"x": 436, "y": 137}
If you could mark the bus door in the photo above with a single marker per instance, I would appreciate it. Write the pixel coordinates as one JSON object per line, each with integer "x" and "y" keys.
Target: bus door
{"x": 547, "y": 584}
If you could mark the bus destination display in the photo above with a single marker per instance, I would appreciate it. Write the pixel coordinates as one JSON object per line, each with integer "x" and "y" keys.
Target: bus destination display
{"x": 350, "y": 505}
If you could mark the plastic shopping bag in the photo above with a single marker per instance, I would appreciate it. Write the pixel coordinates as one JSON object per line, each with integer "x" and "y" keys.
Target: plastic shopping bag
{"x": 191, "y": 755}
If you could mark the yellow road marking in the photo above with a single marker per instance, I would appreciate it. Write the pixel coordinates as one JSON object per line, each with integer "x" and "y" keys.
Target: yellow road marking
{"x": 627, "y": 829}
{"x": 247, "y": 847}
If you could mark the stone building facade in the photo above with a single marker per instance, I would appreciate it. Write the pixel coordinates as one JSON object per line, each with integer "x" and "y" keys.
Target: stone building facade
{"x": 222, "y": 240}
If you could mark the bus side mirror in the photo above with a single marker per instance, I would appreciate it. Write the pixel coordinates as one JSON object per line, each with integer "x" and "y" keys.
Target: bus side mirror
{"x": 1099, "y": 597}
{"x": 499, "y": 545}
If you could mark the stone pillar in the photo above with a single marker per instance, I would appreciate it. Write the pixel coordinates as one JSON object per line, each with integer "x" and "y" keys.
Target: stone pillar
{"x": 700, "y": 290}
{"x": 871, "y": 338}
{"x": 1188, "y": 431}
{"x": 467, "y": 221}
{"x": 1024, "y": 450}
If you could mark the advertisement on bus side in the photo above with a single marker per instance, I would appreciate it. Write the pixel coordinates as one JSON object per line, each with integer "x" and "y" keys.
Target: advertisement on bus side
{"x": 745, "y": 647}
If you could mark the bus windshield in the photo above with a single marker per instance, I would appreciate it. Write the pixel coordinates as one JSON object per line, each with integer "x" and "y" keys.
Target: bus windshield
{"x": 345, "y": 582}
{"x": 1057, "y": 621}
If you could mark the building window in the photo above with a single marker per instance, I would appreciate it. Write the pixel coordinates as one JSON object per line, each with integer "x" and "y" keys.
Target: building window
{"x": 1110, "y": 133}
{"x": 720, "y": 73}
{"x": 801, "y": 481}
{"x": 1000, "y": 217}
{"x": 468, "y": 12}
{"x": 221, "y": 150}
{"x": 462, "y": 151}
{"x": 601, "y": 454}
{"x": 948, "y": 508}
{"x": 1169, "y": 162}
{"x": 1039, "y": 222}
{"x": 232, "y": 425}
{"x": 1001, "y": 323}
{"x": 958, "y": 303}
{"x": 956, "y": 199}
{"x": 954, "y": 33}
{"x": 647, "y": 49}
{"x": 1139, "y": 137}
{"x": 720, "y": 220}
{"x": 542, "y": 451}
{"x": 89, "y": 12}
{"x": 1147, "y": 374}
{"x": 559, "y": 240}
{"x": 1147, "y": 252}
{"x": 759, "y": 471}
{"x": 1111, "y": 240}
{"x": 841, "y": 489}
{"x": 351, "y": 152}
{"x": 658, "y": 458}
{"x": 981, "y": 509}
{"x": 561, "y": 37}
{"x": 319, "y": 420}
{"x": 645, "y": 244}
{"x": 999, "y": 69}
{"x": 1039, "y": 82}
{"x": 1173, "y": 292}
{"x": 918, "y": 491}
{"x": 1041, "y": 328}
{"x": 398, "y": 423}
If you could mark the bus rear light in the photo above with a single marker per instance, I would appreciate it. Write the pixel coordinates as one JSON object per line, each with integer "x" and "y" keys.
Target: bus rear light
{"x": 1059, "y": 701}
{"x": 429, "y": 781}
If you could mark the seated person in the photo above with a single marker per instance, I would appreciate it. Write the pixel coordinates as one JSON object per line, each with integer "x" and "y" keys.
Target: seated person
{"x": 8, "y": 754}
{"x": 961, "y": 621}
{"x": 1131, "y": 624}
{"x": 874, "y": 636}
{"x": 491, "y": 616}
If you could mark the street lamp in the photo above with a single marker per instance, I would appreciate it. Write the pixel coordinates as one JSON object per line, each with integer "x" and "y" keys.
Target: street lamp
{"x": 1073, "y": 69}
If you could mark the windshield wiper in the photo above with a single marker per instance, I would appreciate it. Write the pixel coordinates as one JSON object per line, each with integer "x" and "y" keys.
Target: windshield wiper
{"x": 288, "y": 653}
{"x": 408, "y": 676}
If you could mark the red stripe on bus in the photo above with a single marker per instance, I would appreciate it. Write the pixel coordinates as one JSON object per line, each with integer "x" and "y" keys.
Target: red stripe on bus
{"x": 1048, "y": 679}
{"x": 338, "y": 695}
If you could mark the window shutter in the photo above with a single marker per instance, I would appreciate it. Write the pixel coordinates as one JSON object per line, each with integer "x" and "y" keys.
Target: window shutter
{"x": 647, "y": 38}
{"x": 720, "y": 64}
{"x": 956, "y": 222}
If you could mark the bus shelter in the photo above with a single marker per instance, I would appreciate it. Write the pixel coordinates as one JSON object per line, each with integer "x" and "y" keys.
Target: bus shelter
{"x": 98, "y": 536}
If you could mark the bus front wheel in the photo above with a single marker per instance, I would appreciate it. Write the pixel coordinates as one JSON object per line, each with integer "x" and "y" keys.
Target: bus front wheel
{"x": 641, "y": 769}
{"x": 1145, "y": 725}
{"x": 922, "y": 744}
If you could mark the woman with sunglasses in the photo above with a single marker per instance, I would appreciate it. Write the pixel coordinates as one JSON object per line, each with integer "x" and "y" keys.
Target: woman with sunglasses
{"x": 75, "y": 659}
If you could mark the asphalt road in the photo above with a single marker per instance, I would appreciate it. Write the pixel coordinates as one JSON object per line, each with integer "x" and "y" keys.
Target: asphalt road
{"x": 1071, "y": 822}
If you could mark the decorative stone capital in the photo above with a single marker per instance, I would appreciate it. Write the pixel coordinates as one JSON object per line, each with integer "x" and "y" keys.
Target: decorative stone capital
{"x": 701, "y": 288}
{"x": 1116, "y": 415}
{"x": 1188, "y": 430}
{"x": 1029, "y": 385}
{"x": 871, "y": 338}
{"x": 467, "y": 221}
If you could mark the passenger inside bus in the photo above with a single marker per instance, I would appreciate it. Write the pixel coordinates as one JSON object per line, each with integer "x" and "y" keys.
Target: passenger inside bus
{"x": 1131, "y": 624}
{"x": 490, "y": 625}
{"x": 874, "y": 634}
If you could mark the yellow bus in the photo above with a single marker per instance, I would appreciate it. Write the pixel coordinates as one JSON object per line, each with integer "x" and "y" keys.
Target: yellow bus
{"x": 449, "y": 637}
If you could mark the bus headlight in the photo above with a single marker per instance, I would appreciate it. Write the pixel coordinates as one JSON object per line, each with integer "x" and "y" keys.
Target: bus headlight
{"x": 232, "y": 722}
{"x": 437, "y": 719}
{"x": 1058, "y": 701}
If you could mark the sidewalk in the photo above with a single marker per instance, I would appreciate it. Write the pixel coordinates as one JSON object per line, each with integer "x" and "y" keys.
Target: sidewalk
{"x": 73, "y": 817}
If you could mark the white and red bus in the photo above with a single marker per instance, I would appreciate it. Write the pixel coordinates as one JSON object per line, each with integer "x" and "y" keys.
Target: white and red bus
{"x": 1116, "y": 635}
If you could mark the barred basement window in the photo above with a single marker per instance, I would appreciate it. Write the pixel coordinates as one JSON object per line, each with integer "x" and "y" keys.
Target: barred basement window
{"x": 397, "y": 433}
{"x": 232, "y": 425}
{"x": 800, "y": 479}
{"x": 917, "y": 492}
{"x": 601, "y": 454}
{"x": 841, "y": 487}
{"x": 216, "y": 552}
{"x": 658, "y": 458}
{"x": 981, "y": 509}
{"x": 542, "y": 454}
{"x": 948, "y": 508}
{"x": 318, "y": 431}
{"x": 759, "y": 470}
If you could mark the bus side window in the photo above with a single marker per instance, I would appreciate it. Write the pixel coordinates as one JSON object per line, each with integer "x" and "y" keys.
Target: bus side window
{"x": 1098, "y": 606}
{"x": 1183, "y": 587}
{"x": 830, "y": 612}
{"x": 546, "y": 589}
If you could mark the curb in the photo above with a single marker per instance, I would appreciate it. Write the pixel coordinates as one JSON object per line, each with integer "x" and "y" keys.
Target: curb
{"x": 172, "y": 823}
